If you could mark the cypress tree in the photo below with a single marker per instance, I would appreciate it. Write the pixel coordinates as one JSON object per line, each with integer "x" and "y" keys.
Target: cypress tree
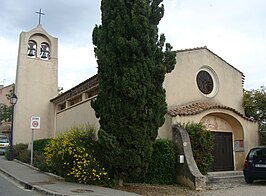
{"x": 132, "y": 63}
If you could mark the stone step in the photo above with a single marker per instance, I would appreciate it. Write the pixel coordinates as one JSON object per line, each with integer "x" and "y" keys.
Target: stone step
{"x": 225, "y": 176}
{"x": 225, "y": 173}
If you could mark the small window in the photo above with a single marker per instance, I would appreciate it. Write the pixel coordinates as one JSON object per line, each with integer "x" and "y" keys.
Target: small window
{"x": 44, "y": 51}
{"x": 62, "y": 106}
{"x": 90, "y": 94}
{"x": 32, "y": 46}
{"x": 75, "y": 100}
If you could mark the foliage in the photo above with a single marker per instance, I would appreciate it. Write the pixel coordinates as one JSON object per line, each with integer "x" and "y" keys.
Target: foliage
{"x": 38, "y": 153}
{"x": 11, "y": 91}
{"x": 162, "y": 168}
{"x": 5, "y": 110}
{"x": 39, "y": 145}
{"x": 71, "y": 155}
{"x": 5, "y": 113}
{"x": 255, "y": 106}
{"x": 20, "y": 152}
{"x": 39, "y": 161}
{"x": 132, "y": 64}
{"x": 202, "y": 143}
{"x": 163, "y": 164}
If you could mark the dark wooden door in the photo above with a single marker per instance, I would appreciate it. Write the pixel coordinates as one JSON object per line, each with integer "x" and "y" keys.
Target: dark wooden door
{"x": 222, "y": 152}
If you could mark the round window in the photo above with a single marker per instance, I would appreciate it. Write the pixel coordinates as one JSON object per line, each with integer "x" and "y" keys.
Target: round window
{"x": 205, "y": 82}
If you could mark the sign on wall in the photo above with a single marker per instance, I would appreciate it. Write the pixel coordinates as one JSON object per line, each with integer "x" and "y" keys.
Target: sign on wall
{"x": 239, "y": 146}
{"x": 35, "y": 122}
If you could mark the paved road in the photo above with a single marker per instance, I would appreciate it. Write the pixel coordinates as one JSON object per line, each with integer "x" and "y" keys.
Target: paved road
{"x": 10, "y": 188}
{"x": 258, "y": 188}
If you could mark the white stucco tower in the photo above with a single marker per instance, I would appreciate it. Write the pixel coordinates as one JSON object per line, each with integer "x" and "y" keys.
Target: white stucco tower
{"x": 36, "y": 84}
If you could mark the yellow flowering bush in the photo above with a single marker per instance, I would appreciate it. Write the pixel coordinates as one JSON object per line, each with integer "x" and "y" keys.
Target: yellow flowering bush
{"x": 72, "y": 155}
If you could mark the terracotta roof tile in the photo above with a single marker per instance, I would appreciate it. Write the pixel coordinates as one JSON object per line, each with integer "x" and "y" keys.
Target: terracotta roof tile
{"x": 196, "y": 108}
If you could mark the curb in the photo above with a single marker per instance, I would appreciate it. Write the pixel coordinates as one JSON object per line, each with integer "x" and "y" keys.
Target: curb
{"x": 59, "y": 178}
{"x": 29, "y": 186}
{"x": 47, "y": 192}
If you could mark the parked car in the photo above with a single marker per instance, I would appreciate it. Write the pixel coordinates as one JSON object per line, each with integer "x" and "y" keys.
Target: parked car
{"x": 255, "y": 164}
{"x": 4, "y": 143}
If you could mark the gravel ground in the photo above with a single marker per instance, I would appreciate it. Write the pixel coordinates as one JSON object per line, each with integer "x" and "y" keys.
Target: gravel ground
{"x": 218, "y": 189}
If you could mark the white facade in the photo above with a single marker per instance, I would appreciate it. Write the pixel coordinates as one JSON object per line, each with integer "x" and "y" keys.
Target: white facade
{"x": 36, "y": 83}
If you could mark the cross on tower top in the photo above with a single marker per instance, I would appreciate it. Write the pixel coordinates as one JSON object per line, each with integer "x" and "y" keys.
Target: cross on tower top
{"x": 40, "y": 15}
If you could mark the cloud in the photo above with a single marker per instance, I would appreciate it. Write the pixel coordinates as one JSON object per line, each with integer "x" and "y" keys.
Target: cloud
{"x": 8, "y": 60}
{"x": 234, "y": 30}
{"x": 76, "y": 64}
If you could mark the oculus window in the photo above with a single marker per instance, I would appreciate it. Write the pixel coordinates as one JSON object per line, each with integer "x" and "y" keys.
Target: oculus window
{"x": 204, "y": 82}
{"x": 207, "y": 81}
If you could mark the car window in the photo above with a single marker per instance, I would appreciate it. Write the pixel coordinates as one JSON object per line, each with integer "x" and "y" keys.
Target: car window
{"x": 262, "y": 153}
{"x": 257, "y": 153}
{"x": 4, "y": 140}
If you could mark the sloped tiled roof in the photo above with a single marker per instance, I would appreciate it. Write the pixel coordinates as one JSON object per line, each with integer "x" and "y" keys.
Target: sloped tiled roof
{"x": 196, "y": 108}
{"x": 84, "y": 86}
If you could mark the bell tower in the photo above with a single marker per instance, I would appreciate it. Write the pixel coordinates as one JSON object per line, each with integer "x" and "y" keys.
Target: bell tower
{"x": 36, "y": 84}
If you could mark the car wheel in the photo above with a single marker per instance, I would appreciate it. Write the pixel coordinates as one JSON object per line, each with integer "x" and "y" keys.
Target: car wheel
{"x": 249, "y": 180}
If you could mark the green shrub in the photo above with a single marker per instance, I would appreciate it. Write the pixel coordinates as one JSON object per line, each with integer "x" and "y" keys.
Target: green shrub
{"x": 202, "y": 143}
{"x": 162, "y": 167}
{"x": 23, "y": 156}
{"x": 39, "y": 161}
{"x": 7, "y": 153}
{"x": 39, "y": 145}
{"x": 72, "y": 156}
{"x": 20, "y": 152}
{"x": 38, "y": 154}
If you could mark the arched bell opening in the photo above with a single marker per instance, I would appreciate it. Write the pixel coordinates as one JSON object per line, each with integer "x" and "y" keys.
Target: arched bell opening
{"x": 44, "y": 51}
{"x": 32, "y": 49}
{"x": 39, "y": 46}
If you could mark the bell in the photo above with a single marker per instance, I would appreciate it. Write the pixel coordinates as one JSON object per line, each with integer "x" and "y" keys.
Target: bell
{"x": 44, "y": 55}
{"x": 44, "y": 51}
{"x": 31, "y": 53}
{"x": 31, "y": 49}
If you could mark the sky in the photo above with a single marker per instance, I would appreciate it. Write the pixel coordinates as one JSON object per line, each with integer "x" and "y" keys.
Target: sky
{"x": 235, "y": 30}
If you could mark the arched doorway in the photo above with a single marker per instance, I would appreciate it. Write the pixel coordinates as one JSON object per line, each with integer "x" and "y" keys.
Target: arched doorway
{"x": 227, "y": 132}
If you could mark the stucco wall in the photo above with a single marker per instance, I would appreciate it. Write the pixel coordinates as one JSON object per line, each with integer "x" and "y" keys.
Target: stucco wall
{"x": 79, "y": 114}
{"x": 3, "y": 92}
{"x": 36, "y": 84}
{"x": 181, "y": 86}
{"x": 165, "y": 131}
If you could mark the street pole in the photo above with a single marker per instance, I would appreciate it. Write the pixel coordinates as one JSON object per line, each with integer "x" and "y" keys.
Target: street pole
{"x": 31, "y": 149}
{"x": 11, "y": 135}
{"x": 13, "y": 101}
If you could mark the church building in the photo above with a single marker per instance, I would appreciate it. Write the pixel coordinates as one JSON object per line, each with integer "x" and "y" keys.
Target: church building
{"x": 203, "y": 88}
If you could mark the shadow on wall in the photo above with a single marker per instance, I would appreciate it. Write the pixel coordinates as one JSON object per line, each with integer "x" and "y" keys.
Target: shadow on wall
{"x": 188, "y": 173}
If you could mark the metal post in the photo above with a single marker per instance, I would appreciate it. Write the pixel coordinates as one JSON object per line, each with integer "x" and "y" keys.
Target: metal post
{"x": 11, "y": 136}
{"x": 31, "y": 150}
